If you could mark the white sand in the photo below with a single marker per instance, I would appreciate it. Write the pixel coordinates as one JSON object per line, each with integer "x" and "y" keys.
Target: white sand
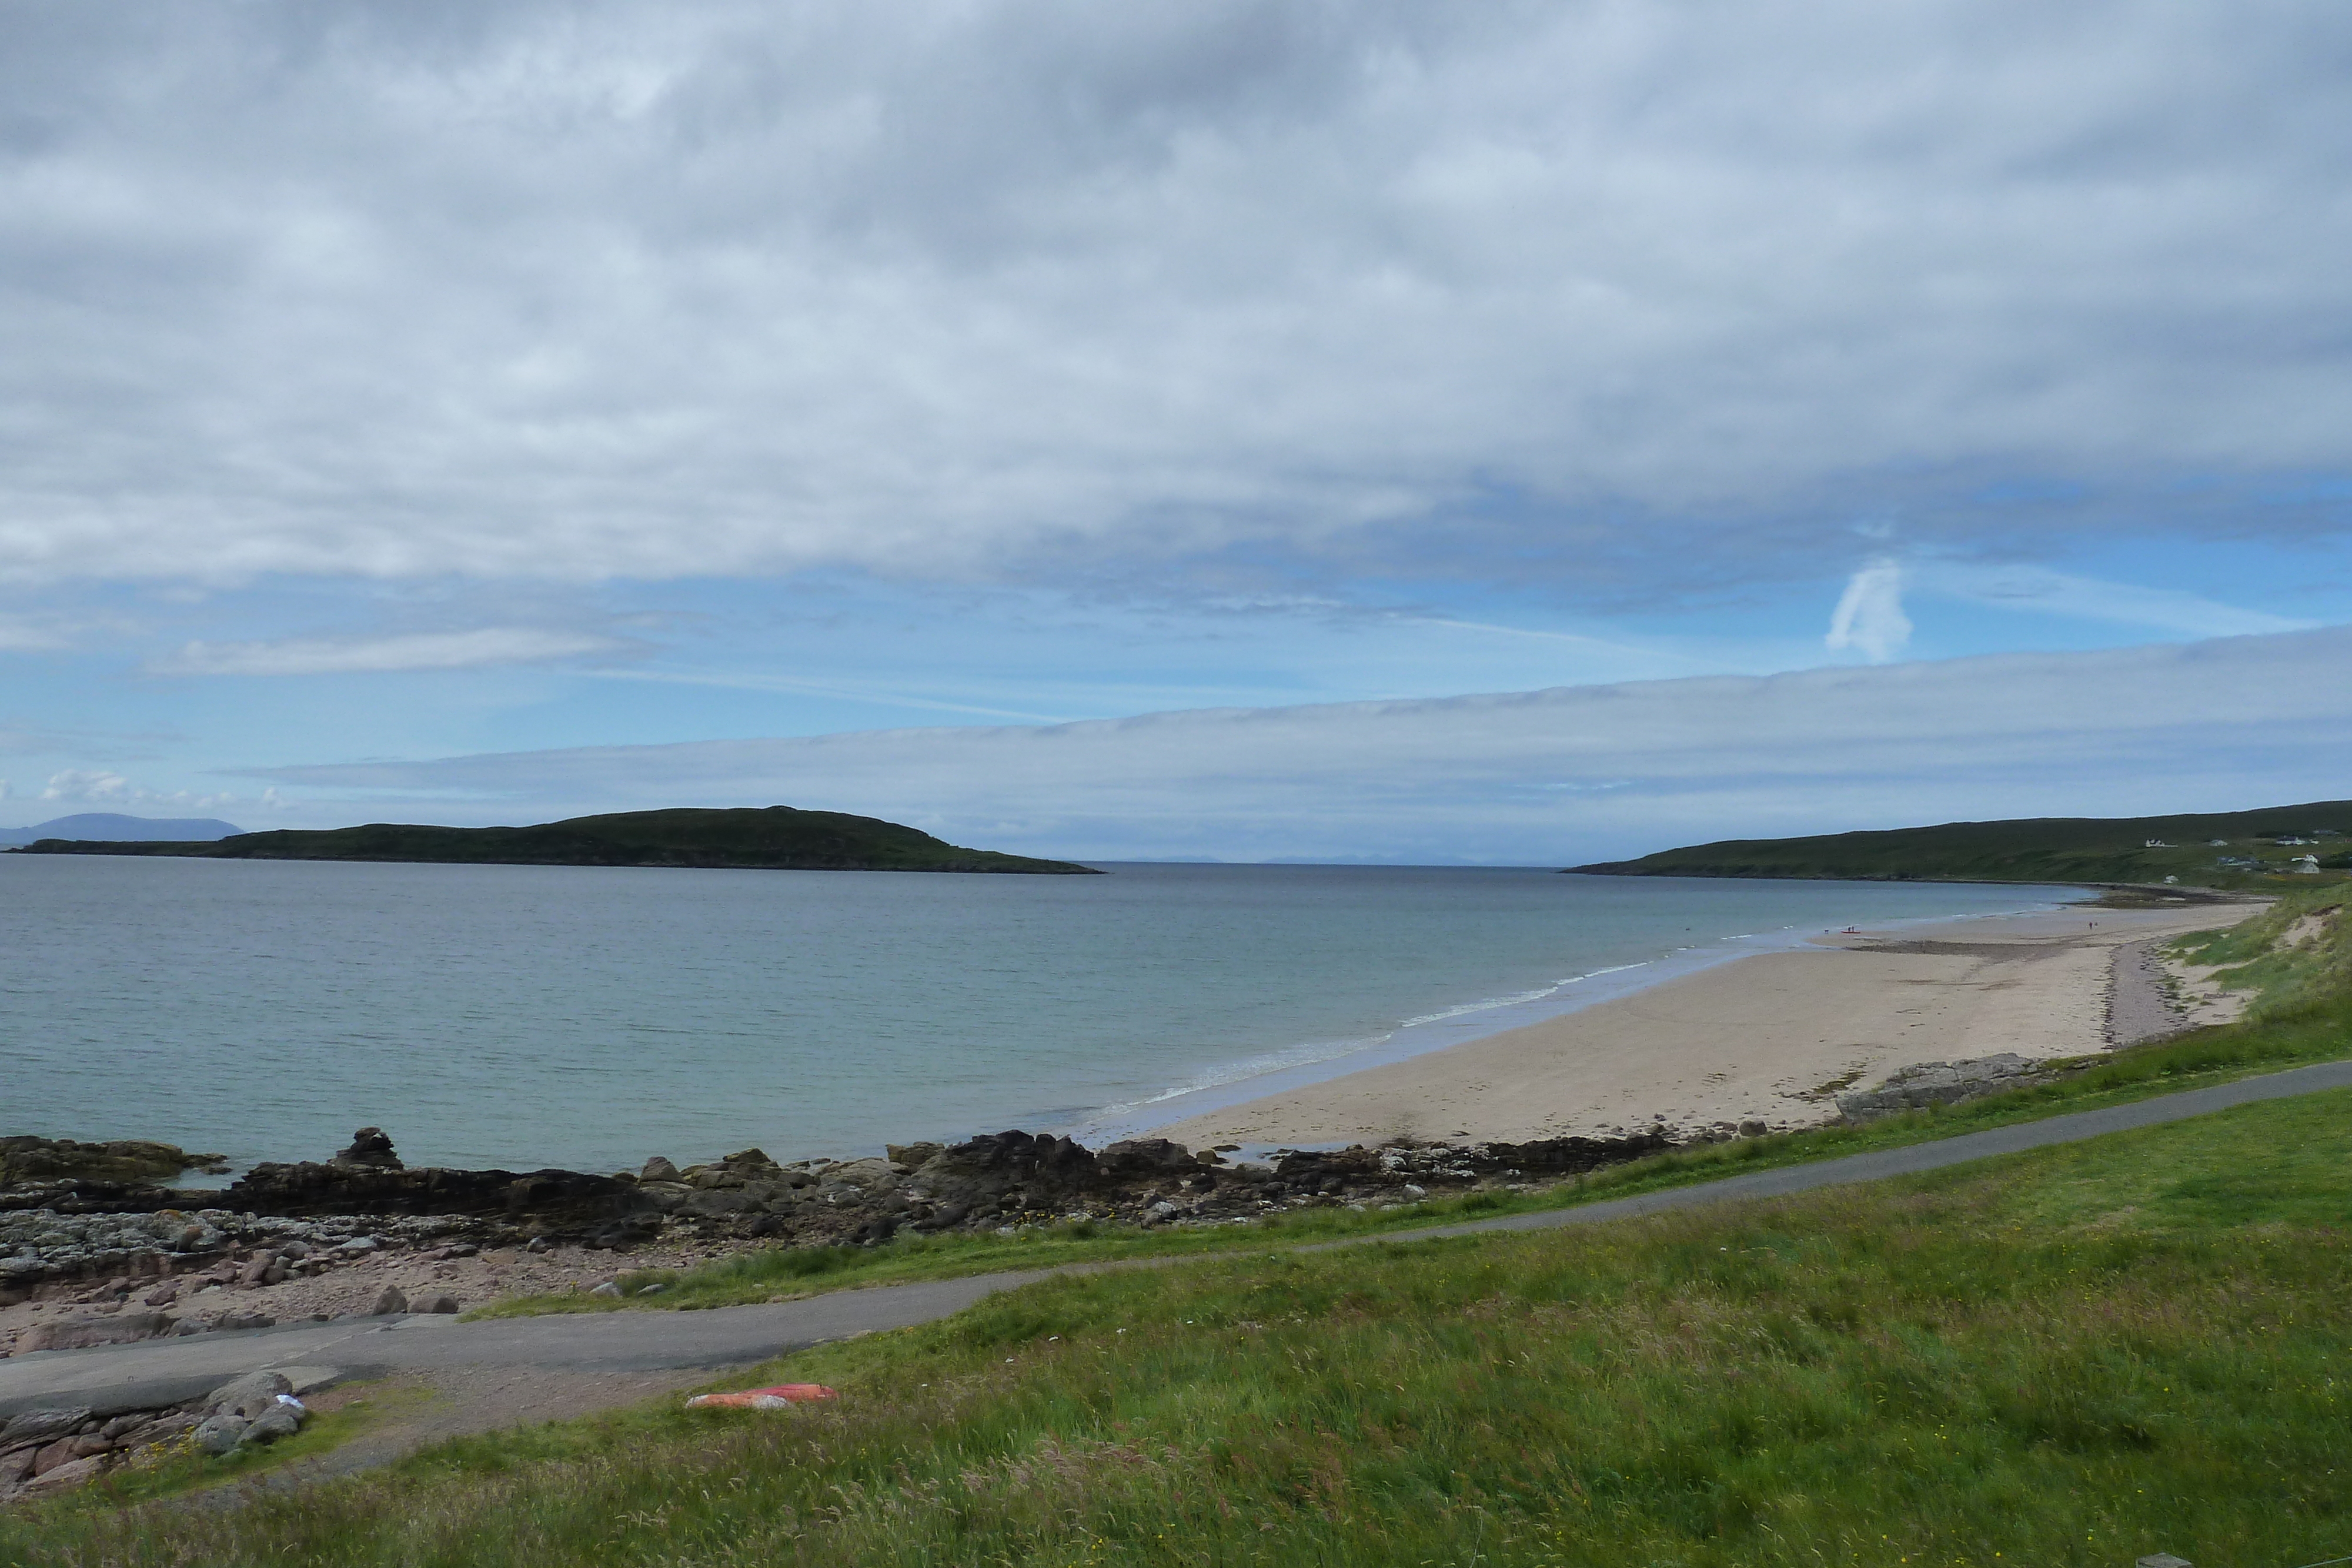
{"x": 1773, "y": 1037}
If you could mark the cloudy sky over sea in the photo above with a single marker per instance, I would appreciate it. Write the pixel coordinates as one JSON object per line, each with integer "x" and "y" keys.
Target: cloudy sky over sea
{"x": 1164, "y": 428}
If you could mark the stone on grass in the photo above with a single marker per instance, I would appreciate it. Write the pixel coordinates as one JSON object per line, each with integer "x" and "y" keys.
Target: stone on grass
{"x": 279, "y": 1421}
{"x": 389, "y": 1304}
{"x": 249, "y": 1396}
{"x": 217, "y": 1434}
{"x": 64, "y": 1476}
{"x": 607, "y": 1288}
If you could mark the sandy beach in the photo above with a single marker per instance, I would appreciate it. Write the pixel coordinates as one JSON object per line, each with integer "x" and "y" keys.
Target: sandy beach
{"x": 1771, "y": 1038}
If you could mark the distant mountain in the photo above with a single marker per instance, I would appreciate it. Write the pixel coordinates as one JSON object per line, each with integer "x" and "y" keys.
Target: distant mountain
{"x": 107, "y": 825}
{"x": 774, "y": 838}
{"x": 2223, "y": 849}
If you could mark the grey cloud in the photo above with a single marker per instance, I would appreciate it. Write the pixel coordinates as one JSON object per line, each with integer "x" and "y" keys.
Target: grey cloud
{"x": 1568, "y": 774}
{"x": 1638, "y": 295}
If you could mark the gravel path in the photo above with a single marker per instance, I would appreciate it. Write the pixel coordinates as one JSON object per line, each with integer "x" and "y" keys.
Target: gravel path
{"x": 2139, "y": 1000}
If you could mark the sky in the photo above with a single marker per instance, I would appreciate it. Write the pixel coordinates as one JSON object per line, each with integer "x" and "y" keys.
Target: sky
{"x": 1516, "y": 432}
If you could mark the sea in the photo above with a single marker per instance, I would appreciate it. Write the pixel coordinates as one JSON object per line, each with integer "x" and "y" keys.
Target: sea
{"x": 521, "y": 1016}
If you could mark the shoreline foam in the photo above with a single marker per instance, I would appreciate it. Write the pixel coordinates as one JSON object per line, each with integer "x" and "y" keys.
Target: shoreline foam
{"x": 1768, "y": 1037}
{"x": 1299, "y": 1070}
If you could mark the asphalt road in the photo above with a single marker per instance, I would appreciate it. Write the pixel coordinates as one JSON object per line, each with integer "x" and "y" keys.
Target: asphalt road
{"x": 161, "y": 1372}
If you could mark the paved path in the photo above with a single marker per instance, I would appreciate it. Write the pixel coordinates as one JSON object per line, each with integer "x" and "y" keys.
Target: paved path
{"x": 160, "y": 1372}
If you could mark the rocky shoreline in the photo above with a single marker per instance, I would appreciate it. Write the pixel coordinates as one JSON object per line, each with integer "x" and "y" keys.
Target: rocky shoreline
{"x": 75, "y": 1216}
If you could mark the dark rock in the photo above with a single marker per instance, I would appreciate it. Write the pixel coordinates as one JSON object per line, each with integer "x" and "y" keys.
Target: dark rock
{"x": 391, "y": 1303}
{"x": 562, "y": 1200}
{"x": 443, "y": 1303}
{"x": 1145, "y": 1158}
{"x": 370, "y": 1150}
{"x": 1941, "y": 1083}
{"x": 658, "y": 1169}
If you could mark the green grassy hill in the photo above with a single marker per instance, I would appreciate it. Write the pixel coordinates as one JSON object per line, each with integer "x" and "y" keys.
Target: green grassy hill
{"x": 777, "y": 837}
{"x": 2226, "y": 850}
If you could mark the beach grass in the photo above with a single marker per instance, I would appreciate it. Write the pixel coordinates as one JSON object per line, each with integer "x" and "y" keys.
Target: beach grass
{"x": 2078, "y": 1355}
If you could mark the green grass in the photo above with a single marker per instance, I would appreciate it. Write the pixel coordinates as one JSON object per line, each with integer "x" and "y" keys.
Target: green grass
{"x": 2281, "y": 1037}
{"x": 2075, "y": 1356}
{"x": 2284, "y": 978}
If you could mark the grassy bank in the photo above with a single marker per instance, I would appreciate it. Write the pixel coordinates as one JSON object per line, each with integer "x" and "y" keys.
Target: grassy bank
{"x": 2075, "y": 1356}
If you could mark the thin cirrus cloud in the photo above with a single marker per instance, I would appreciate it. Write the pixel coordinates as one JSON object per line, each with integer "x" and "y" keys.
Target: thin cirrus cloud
{"x": 1621, "y": 299}
{"x": 1566, "y": 774}
{"x": 413, "y": 651}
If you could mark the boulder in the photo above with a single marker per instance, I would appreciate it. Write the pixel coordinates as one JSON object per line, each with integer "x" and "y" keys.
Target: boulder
{"x": 81, "y": 1333}
{"x": 66, "y": 1477}
{"x": 1145, "y": 1158}
{"x": 249, "y": 1396}
{"x": 914, "y": 1156}
{"x": 658, "y": 1169}
{"x": 443, "y": 1304}
{"x": 391, "y": 1303}
{"x": 278, "y": 1421}
{"x": 42, "y": 1426}
{"x": 370, "y": 1150}
{"x": 217, "y": 1435}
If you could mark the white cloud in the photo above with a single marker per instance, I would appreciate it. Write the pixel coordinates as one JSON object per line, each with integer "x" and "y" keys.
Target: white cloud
{"x": 1622, "y": 295}
{"x": 1569, "y": 774}
{"x": 1869, "y": 616}
{"x": 87, "y": 784}
{"x": 96, "y": 787}
{"x": 419, "y": 650}
{"x": 2130, "y": 604}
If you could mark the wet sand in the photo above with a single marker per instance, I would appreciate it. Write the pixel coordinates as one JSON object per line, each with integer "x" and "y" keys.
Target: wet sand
{"x": 1770, "y": 1039}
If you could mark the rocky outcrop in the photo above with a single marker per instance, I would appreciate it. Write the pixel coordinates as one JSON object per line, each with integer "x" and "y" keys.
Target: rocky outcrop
{"x": 1929, "y": 1083}
{"x": 282, "y": 1220}
{"x": 74, "y": 1178}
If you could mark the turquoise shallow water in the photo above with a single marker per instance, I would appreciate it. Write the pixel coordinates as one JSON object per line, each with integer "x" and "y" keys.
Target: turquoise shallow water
{"x": 524, "y": 1015}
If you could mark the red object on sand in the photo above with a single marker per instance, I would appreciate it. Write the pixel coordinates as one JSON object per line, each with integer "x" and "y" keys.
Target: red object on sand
{"x": 776, "y": 1398}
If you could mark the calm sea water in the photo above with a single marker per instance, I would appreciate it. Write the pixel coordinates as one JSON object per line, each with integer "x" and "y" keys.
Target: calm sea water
{"x": 589, "y": 1018}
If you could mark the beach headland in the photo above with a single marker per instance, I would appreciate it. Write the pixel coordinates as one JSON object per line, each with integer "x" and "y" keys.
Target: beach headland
{"x": 1771, "y": 1040}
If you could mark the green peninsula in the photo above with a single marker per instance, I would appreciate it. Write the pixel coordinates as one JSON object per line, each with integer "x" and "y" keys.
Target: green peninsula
{"x": 2276, "y": 847}
{"x": 774, "y": 838}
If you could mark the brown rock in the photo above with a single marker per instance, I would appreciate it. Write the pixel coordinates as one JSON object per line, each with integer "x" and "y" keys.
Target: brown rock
{"x": 81, "y": 1333}
{"x": 391, "y": 1303}
{"x": 66, "y": 1476}
{"x": 257, "y": 1271}
{"x": 443, "y": 1303}
{"x": 61, "y": 1452}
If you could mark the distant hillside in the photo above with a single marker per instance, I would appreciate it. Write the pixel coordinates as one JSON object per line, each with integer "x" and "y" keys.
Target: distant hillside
{"x": 2249, "y": 853}
{"x": 777, "y": 837}
{"x": 108, "y": 826}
